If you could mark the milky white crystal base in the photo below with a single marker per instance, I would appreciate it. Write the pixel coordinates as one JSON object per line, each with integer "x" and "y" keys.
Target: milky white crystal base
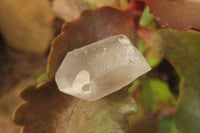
{"x": 101, "y": 68}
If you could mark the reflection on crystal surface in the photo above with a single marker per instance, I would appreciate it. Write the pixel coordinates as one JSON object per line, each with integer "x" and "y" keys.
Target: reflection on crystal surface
{"x": 81, "y": 79}
{"x": 100, "y": 68}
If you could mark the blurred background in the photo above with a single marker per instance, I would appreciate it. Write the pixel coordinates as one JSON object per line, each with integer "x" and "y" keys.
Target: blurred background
{"x": 27, "y": 28}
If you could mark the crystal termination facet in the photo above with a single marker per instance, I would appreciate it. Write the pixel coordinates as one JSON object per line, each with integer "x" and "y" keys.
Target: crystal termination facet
{"x": 100, "y": 68}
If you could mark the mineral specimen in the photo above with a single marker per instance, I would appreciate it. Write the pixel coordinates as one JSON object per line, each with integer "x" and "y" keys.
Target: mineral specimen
{"x": 101, "y": 68}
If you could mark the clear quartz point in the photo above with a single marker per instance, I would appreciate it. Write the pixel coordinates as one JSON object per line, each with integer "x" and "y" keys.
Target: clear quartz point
{"x": 101, "y": 68}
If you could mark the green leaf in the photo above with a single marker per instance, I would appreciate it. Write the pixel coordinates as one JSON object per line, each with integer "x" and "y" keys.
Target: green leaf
{"x": 147, "y": 99}
{"x": 42, "y": 77}
{"x": 181, "y": 49}
{"x": 92, "y": 6}
{"x": 152, "y": 56}
{"x": 134, "y": 86}
{"x": 121, "y": 4}
{"x": 147, "y": 20}
{"x": 167, "y": 125}
{"x": 154, "y": 92}
{"x": 161, "y": 90}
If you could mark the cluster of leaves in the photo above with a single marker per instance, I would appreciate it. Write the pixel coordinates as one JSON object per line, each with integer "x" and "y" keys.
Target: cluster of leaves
{"x": 48, "y": 110}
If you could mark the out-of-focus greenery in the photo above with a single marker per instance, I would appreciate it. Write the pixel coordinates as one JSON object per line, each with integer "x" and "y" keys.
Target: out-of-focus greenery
{"x": 93, "y": 6}
{"x": 155, "y": 91}
{"x": 42, "y": 77}
{"x": 147, "y": 19}
{"x": 167, "y": 125}
{"x": 152, "y": 56}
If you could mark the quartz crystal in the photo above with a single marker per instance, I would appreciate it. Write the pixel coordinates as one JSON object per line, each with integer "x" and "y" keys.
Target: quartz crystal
{"x": 101, "y": 68}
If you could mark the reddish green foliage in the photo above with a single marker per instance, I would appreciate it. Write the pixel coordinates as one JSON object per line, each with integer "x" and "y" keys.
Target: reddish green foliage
{"x": 182, "y": 51}
{"x": 48, "y": 110}
{"x": 178, "y": 14}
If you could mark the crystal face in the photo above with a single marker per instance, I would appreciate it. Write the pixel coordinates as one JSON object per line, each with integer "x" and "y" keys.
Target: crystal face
{"x": 100, "y": 68}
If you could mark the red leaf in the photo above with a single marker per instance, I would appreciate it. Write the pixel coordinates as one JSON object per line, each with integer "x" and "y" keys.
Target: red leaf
{"x": 93, "y": 25}
{"x": 178, "y": 14}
